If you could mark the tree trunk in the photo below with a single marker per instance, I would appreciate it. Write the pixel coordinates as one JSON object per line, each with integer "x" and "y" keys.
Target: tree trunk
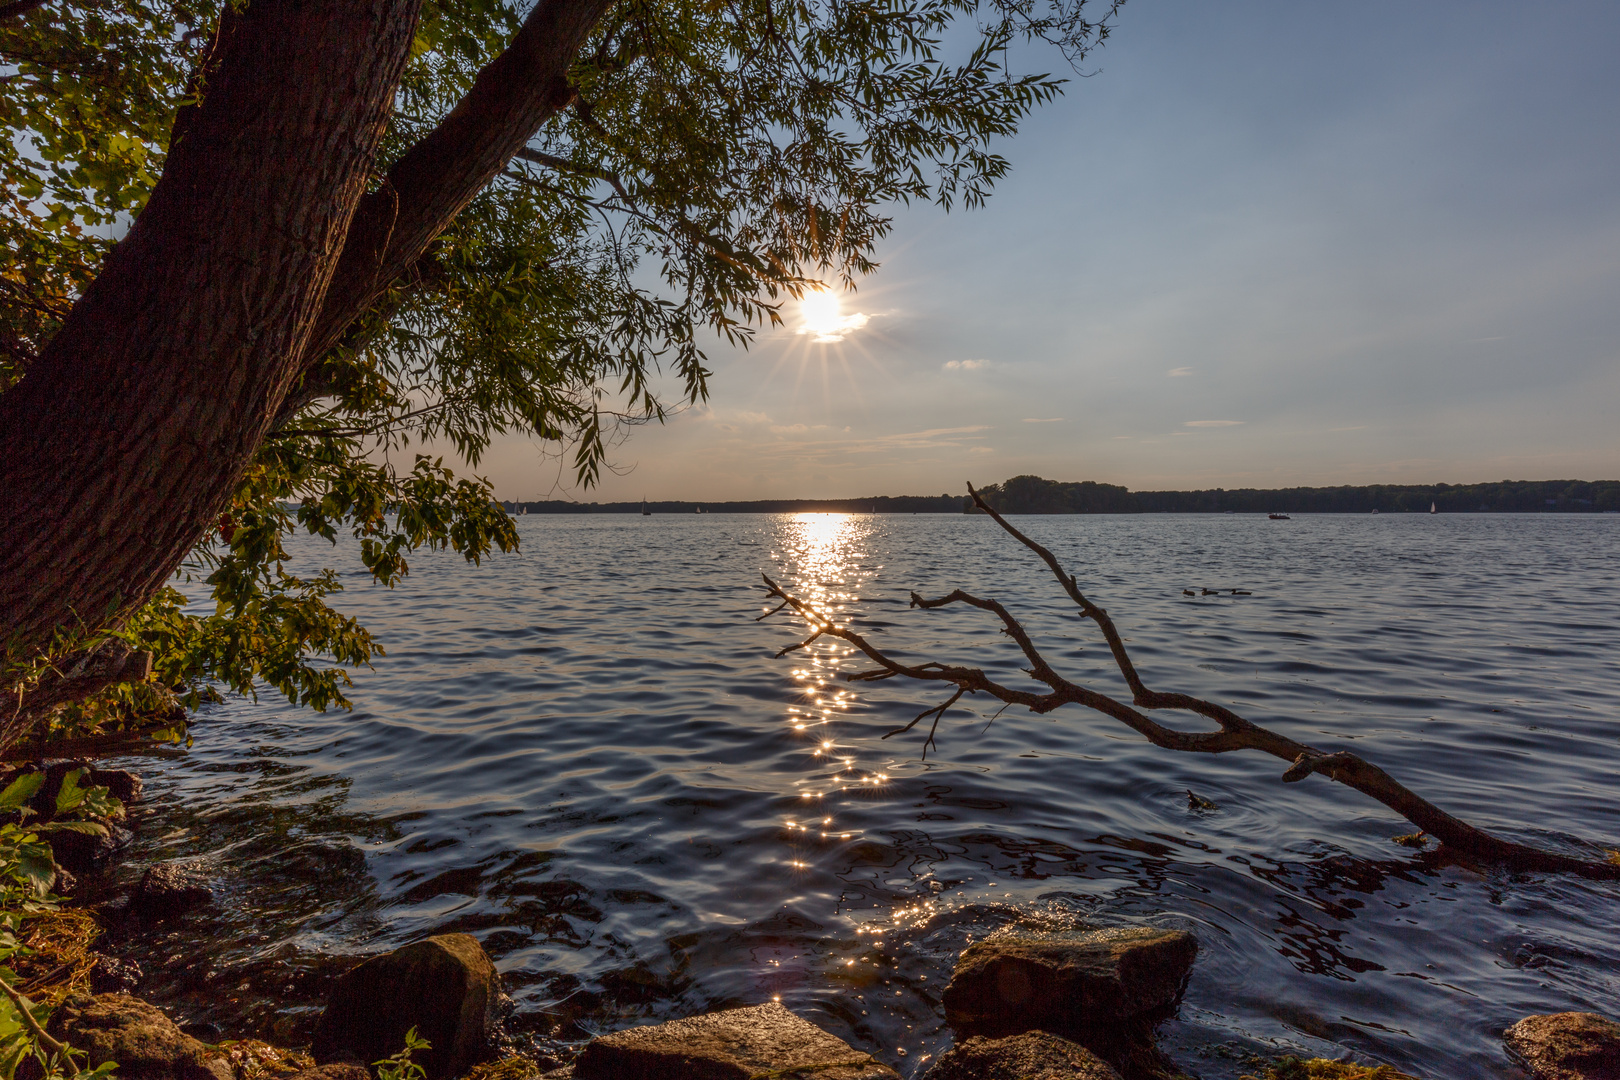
{"x": 121, "y": 446}
{"x": 122, "y": 443}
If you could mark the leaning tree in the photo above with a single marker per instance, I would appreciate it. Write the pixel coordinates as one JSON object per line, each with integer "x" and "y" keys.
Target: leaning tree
{"x": 257, "y": 250}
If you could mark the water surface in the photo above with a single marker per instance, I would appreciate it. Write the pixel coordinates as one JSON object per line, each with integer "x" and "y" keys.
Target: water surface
{"x": 588, "y": 757}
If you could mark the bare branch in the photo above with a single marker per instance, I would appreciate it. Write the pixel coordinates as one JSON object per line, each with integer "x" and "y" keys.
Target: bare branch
{"x": 937, "y": 712}
{"x": 1234, "y": 733}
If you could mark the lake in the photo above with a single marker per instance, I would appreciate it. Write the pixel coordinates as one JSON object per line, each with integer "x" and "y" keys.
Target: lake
{"x": 588, "y": 756}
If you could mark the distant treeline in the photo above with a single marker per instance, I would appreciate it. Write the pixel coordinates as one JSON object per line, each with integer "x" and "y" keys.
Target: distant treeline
{"x": 882, "y": 504}
{"x": 1033, "y": 495}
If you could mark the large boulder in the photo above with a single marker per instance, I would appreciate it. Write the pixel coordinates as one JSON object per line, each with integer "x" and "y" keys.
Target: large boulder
{"x": 1067, "y": 981}
{"x": 738, "y": 1044}
{"x": 169, "y": 890}
{"x": 445, "y": 987}
{"x": 1034, "y": 1055}
{"x": 145, "y": 1043}
{"x": 1566, "y": 1046}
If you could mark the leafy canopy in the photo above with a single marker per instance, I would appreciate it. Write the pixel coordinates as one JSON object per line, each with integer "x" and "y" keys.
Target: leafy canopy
{"x": 720, "y": 157}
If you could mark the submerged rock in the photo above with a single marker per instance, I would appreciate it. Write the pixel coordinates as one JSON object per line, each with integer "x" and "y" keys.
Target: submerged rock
{"x": 1566, "y": 1046}
{"x": 145, "y": 1043}
{"x": 1034, "y": 1055}
{"x": 738, "y": 1044}
{"x": 169, "y": 890}
{"x": 445, "y": 987}
{"x": 1067, "y": 981}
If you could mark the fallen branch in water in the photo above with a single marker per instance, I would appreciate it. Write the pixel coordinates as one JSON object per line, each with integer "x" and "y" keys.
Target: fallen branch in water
{"x": 1234, "y": 732}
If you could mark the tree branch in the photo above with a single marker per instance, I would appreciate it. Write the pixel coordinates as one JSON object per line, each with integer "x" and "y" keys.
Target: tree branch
{"x": 521, "y": 89}
{"x": 1234, "y": 733}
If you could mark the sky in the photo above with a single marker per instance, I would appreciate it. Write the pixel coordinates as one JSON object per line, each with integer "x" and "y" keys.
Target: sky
{"x": 1262, "y": 244}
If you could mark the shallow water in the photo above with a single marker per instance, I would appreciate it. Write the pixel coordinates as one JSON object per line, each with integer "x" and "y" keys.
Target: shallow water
{"x": 588, "y": 757}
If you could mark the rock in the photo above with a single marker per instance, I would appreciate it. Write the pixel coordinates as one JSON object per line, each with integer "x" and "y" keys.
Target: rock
{"x": 125, "y": 786}
{"x": 83, "y": 854}
{"x": 445, "y": 987}
{"x": 1067, "y": 982}
{"x": 204, "y": 1031}
{"x": 169, "y": 890}
{"x": 345, "y": 1070}
{"x": 112, "y": 975}
{"x": 144, "y": 1042}
{"x": 765, "y": 1040}
{"x": 1034, "y": 1055}
{"x": 1566, "y": 1046}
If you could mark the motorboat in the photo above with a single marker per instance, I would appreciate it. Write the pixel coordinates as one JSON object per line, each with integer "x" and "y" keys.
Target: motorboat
{"x": 1279, "y": 517}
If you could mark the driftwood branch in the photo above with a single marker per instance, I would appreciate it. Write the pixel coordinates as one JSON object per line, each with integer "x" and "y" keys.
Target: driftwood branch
{"x": 1232, "y": 732}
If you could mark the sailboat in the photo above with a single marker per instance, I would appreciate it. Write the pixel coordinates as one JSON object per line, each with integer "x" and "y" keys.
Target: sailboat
{"x": 1433, "y": 509}
{"x": 644, "y": 511}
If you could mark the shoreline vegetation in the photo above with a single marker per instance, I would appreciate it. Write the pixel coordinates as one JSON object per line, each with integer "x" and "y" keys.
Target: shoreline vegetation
{"x": 1035, "y": 495}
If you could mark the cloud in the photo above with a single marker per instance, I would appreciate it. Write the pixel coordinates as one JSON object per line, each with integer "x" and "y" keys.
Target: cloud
{"x": 981, "y": 449}
{"x": 966, "y": 365}
{"x": 1212, "y": 423}
{"x": 1179, "y": 372}
{"x": 1043, "y": 420}
{"x": 1358, "y": 427}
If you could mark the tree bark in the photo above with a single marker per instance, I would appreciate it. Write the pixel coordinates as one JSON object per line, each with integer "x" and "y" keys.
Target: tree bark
{"x": 124, "y": 440}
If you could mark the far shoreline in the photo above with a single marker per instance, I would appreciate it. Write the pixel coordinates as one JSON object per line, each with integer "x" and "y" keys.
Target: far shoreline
{"x": 1034, "y": 495}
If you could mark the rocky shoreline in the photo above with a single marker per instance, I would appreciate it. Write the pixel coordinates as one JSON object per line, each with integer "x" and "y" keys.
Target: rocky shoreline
{"x": 1022, "y": 1004}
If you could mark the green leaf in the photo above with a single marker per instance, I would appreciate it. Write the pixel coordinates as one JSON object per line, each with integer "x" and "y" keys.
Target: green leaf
{"x": 70, "y": 795}
{"x": 20, "y": 790}
{"x": 83, "y": 828}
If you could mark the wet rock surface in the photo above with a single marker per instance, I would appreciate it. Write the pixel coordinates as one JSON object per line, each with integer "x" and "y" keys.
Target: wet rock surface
{"x": 114, "y": 974}
{"x": 445, "y": 987}
{"x": 169, "y": 890}
{"x": 82, "y": 854}
{"x": 1033, "y": 1055}
{"x": 145, "y": 1043}
{"x": 1064, "y": 981}
{"x": 1566, "y": 1046}
{"x": 738, "y": 1044}
{"x": 345, "y": 1070}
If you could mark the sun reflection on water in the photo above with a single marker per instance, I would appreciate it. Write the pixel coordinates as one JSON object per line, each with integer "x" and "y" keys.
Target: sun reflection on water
{"x": 823, "y": 559}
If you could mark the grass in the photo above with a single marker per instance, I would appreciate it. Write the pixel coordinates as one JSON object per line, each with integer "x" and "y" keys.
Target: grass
{"x": 58, "y": 961}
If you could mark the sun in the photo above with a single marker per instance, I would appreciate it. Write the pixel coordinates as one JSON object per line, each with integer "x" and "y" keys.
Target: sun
{"x": 822, "y": 316}
{"x": 822, "y": 313}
